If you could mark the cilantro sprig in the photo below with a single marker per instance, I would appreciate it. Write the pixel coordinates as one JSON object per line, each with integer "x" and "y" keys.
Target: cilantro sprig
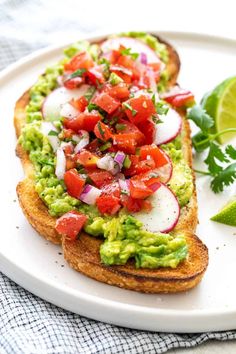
{"x": 220, "y": 160}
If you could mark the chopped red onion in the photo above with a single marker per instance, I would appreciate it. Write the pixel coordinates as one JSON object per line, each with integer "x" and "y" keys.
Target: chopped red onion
{"x": 119, "y": 158}
{"x": 90, "y": 194}
{"x": 143, "y": 58}
{"x": 107, "y": 163}
{"x": 61, "y": 164}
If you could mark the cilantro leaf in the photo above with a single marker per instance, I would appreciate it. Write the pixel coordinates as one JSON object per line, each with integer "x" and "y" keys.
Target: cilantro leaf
{"x": 200, "y": 141}
{"x": 199, "y": 116}
{"x": 231, "y": 152}
{"x": 224, "y": 178}
{"x": 53, "y": 133}
{"x": 128, "y": 106}
{"x": 77, "y": 73}
{"x": 215, "y": 154}
{"x": 127, "y": 51}
{"x": 89, "y": 93}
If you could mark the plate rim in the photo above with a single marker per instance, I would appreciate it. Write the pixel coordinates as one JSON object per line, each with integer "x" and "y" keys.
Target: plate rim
{"x": 95, "y": 300}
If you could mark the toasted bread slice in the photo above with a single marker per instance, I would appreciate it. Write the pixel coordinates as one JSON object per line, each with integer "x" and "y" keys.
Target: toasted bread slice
{"x": 83, "y": 254}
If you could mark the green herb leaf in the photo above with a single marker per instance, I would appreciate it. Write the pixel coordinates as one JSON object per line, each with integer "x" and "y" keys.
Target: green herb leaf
{"x": 101, "y": 131}
{"x": 89, "y": 93}
{"x": 161, "y": 107}
{"x": 77, "y": 73}
{"x": 215, "y": 154}
{"x": 127, "y": 51}
{"x": 199, "y": 116}
{"x": 92, "y": 106}
{"x": 106, "y": 146}
{"x": 53, "y": 133}
{"x": 133, "y": 111}
{"x": 231, "y": 152}
{"x": 156, "y": 119}
{"x": 120, "y": 127}
{"x": 226, "y": 177}
{"x": 200, "y": 141}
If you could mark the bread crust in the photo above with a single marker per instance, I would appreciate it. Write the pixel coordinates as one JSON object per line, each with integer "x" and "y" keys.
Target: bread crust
{"x": 83, "y": 254}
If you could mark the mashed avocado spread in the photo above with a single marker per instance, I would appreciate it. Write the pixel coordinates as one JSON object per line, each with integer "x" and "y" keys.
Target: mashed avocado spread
{"x": 124, "y": 235}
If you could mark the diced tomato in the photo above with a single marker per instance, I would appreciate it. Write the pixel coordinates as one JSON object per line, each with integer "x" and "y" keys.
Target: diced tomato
{"x": 70, "y": 224}
{"x": 125, "y": 143}
{"x": 80, "y": 104}
{"x": 95, "y": 75}
{"x": 131, "y": 171}
{"x": 112, "y": 189}
{"x": 125, "y": 74}
{"x": 112, "y": 56}
{"x": 106, "y": 102}
{"x": 130, "y": 128}
{"x": 144, "y": 166}
{"x": 86, "y": 159}
{"x": 155, "y": 153}
{"x": 74, "y": 183}
{"x": 70, "y": 162}
{"x": 146, "y": 205}
{"x": 131, "y": 204}
{"x": 127, "y": 62}
{"x": 183, "y": 98}
{"x": 142, "y": 108}
{"x": 80, "y": 61}
{"x": 73, "y": 83}
{"x": 108, "y": 204}
{"x": 148, "y": 129}
{"x": 139, "y": 190}
{"x": 102, "y": 131}
{"x": 101, "y": 178}
{"x": 149, "y": 179}
{"x": 94, "y": 147}
{"x": 148, "y": 79}
{"x": 86, "y": 120}
{"x": 120, "y": 91}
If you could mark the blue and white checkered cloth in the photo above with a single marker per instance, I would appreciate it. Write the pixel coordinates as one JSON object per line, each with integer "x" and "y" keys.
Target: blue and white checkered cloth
{"x": 28, "y": 324}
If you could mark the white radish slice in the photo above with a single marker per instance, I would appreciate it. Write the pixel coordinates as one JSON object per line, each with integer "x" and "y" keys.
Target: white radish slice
{"x": 165, "y": 172}
{"x": 165, "y": 212}
{"x": 169, "y": 128}
{"x": 68, "y": 111}
{"x": 61, "y": 164}
{"x": 46, "y": 128}
{"x": 54, "y": 102}
{"x": 136, "y": 46}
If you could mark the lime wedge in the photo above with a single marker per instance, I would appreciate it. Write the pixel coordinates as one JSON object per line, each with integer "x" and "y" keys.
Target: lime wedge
{"x": 227, "y": 215}
{"x": 220, "y": 104}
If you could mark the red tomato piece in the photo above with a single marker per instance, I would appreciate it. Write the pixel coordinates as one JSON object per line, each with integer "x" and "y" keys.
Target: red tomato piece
{"x": 131, "y": 204}
{"x": 95, "y": 75}
{"x": 120, "y": 91}
{"x": 112, "y": 189}
{"x": 148, "y": 129}
{"x": 149, "y": 179}
{"x": 125, "y": 143}
{"x": 132, "y": 130}
{"x": 86, "y": 159}
{"x": 131, "y": 171}
{"x": 141, "y": 108}
{"x": 108, "y": 204}
{"x": 67, "y": 134}
{"x": 182, "y": 99}
{"x": 70, "y": 162}
{"x": 101, "y": 178}
{"x": 106, "y": 102}
{"x": 155, "y": 153}
{"x": 127, "y": 62}
{"x": 144, "y": 166}
{"x": 146, "y": 205}
{"x": 74, "y": 183}
{"x": 139, "y": 190}
{"x": 85, "y": 120}
{"x": 102, "y": 131}
{"x": 73, "y": 83}
{"x": 70, "y": 224}
{"x": 124, "y": 73}
{"x": 80, "y": 61}
{"x": 80, "y": 104}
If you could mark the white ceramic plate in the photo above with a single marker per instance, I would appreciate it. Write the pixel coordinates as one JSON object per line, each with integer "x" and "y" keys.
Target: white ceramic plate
{"x": 39, "y": 266}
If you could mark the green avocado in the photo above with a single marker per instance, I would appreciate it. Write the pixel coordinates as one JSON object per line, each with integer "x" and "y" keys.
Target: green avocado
{"x": 124, "y": 236}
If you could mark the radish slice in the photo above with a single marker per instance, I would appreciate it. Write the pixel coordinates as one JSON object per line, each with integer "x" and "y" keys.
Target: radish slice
{"x": 169, "y": 128}
{"x": 61, "y": 164}
{"x": 68, "y": 111}
{"x": 54, "y": 102}
{"x": 46, "y": 128}
{"x": 136, "y": 46}
{"x": 165, "y": 212}
{"x": 165, "y": 172}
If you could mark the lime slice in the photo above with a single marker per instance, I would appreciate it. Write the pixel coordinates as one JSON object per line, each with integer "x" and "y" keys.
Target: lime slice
{"x": 227, "y": 215}
{"x": 220, "y": 104}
